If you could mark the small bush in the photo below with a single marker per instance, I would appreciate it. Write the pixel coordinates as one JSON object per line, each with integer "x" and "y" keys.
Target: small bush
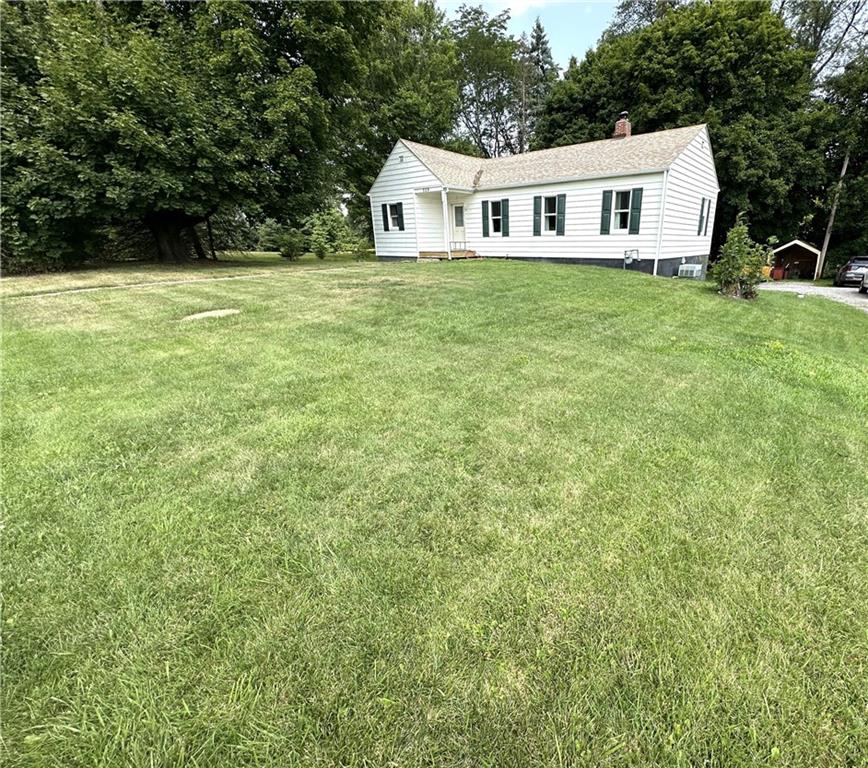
{"x": 291, "y": 244}
{"x": 329, "y": 232}
{"x": 739, "y": 267}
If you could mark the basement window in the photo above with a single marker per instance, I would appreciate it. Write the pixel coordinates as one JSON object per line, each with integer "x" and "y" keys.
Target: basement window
{"x": 621, "y": 213}
{"x": 496, "y": 216}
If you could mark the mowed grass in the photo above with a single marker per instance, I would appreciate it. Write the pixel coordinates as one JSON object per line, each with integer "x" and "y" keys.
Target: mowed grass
{"x": 449, "y": 514}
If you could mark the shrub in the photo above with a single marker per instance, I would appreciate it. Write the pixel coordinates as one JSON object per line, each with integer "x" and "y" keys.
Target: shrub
{"x": 291, "y": 244}
{"x": 268, "y": 235}
{"x": 329, "y": 232}
{"x": 739, "y": 267}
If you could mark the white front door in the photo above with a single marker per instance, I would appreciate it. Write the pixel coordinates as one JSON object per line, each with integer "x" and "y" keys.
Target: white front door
{"x": 458, "y": 223}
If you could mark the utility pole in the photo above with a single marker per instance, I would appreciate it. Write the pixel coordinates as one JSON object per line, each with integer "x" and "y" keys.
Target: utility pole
{"x": 821, "y": 261}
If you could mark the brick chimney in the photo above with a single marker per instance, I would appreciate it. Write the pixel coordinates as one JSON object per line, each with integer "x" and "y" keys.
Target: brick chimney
{"x": 622, "y": 127}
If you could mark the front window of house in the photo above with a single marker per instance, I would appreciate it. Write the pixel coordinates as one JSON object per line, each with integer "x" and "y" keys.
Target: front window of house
{"x": 550, "y": 214}
{"x": 496, "y": 216}
{"x": 621, "y": 213}
{"x": 394, "y": 216}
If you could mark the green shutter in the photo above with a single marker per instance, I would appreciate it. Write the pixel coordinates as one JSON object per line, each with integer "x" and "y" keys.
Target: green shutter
{"x": 537, "y": 216}
{"x": 401, "y": 216}
{"x": 635, "y": 211}
{"x": 504, "y": 220}
{"x": 606, "y": 215}
{"x": 485, "y": 218}
{"x": 707, "y": 217}
{"x": 561, "y": 219}
{"x": 385, "y": 217}
{"x": 701, "y": 217}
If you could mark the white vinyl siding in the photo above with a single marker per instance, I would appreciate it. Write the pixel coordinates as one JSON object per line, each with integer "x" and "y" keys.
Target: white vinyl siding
{"x": 582, "y": 238}
{"x": 401, "y": 175}
{"x": 691, "y": 178}
{"x": 429, "y": 212}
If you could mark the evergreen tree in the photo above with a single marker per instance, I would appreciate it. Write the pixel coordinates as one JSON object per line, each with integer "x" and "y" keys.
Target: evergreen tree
{"x": 537, "y": 73}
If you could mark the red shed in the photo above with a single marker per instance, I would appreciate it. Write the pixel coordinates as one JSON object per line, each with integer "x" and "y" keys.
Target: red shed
{"x": 795, "y": 259}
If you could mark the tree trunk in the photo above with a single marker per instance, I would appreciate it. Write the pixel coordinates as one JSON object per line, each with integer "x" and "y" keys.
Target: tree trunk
{"x": 168, "y": 229}
{"x": 821, "y": 261}
{"x": 210, "y": 238}
{"x": 197, "y": 243}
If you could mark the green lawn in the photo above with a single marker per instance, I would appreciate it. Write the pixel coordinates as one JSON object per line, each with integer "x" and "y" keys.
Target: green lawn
{"x": 448, "y": 514}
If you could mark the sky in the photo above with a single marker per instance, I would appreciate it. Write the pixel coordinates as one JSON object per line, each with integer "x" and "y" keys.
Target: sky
{"x": 572, "y": 27}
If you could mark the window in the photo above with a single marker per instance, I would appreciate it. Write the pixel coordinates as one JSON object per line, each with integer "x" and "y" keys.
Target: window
{"x": 393, "y": 216}
{"x": 550, "y": 217}
{"x": 459, "y": 216}
{"x": 621, "y": 211}
{"x": 496, "y": 218}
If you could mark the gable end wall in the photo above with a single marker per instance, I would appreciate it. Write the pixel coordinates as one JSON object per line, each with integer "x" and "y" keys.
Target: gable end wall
{"x": 396, "y": 183}
{"x": 691, "y": 177}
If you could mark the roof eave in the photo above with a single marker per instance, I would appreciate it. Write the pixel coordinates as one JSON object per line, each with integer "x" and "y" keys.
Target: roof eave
{"x": 806, "y": 246}
{"x": 567, "y": 179}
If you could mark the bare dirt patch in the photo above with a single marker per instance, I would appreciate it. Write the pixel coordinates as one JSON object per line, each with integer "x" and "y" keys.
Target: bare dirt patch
{"x": 211, "y": 313}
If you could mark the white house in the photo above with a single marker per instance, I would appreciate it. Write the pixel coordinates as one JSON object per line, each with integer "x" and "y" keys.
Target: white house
{"x": 644, "y": 202}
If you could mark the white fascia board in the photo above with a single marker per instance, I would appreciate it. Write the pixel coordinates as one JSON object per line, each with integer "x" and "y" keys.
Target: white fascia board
{"x": 802, "y": 243}
{"x": 568, "y": 179}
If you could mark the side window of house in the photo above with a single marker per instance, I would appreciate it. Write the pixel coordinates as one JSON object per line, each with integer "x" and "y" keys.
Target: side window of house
{"x": 550, "y": 219}
{"x": 621, "y": 211}
{"x": 549, "y": 215}
{"x": 702, "y": 214}
{"x": 393, "y": 217}
{"x": 495, "y": 217}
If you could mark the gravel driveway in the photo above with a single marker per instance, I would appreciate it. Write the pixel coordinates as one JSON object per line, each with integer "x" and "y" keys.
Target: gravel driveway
{"x": 849, "y": 296}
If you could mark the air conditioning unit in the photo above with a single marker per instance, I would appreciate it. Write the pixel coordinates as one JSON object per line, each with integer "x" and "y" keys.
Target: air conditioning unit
{"x": 692, "y": 271}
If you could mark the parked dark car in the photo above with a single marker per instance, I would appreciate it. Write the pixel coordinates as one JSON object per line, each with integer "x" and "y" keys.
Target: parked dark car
{"x": 851, "y": 272}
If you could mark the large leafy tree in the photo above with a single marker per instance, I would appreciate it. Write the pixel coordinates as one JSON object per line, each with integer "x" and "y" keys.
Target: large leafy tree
{"x": 833, "y": 31}
{"x": 487, "y": 66}
{"x": 632, "y": 15}
{"x": 734, "y": 66}
{"x": 166, "y": 113}
{"x": 409, "y": 90}
{"x": 845, "y": 204}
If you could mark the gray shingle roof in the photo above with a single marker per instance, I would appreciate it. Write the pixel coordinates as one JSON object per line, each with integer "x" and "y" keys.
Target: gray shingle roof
{"x": 593, "y": 159}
